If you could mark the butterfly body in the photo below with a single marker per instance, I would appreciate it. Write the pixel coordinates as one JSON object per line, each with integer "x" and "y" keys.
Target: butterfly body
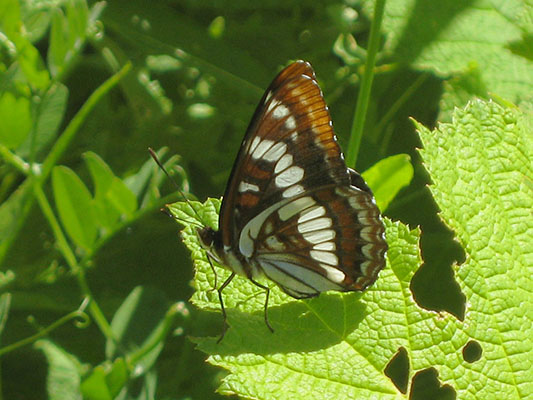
{"x": 292, "y": 210}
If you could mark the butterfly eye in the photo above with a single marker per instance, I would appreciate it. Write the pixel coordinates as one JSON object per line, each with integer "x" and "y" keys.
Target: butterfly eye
{"x": 206, "y": 236}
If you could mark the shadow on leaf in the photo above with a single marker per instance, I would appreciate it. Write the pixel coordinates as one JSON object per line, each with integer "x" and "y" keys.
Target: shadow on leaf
{"x": 299, "y": 326}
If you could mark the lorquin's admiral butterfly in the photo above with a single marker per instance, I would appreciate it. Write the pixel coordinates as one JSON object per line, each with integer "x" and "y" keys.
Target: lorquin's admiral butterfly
{"x": 292, "y": 211}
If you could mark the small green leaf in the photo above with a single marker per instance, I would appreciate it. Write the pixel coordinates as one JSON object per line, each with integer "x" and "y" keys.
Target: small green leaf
{"x": 216, "y": 27}
{"x": 67, "y": 34}
{"x": 28, "y": 57}
{"x": 12, "y": 213}
{"x": 113, "y": 198}
{"x": 77, "y": 17}
{"x": 59, "y": 44}
{"x": 32, "y": 65}
{"x": 388, "y": 177}
{"x": 36, "y": 22}
{"x": 5, "y": 303}
{"x": 16, "y": 118}
{"x": 117, "y": 377}
{"x": 63, "y": 380}
{"x": 10, "y": 17}
{"x": 50, "y": 113}
{"x": 105, "y": 381}
{"x": 75, "y": 206}
{"x": 134, "y": 323}
{"x": 94, "y": 387}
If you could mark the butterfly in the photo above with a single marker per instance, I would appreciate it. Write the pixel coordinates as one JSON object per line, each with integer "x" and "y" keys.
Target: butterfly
{"x": 292, "y": 211}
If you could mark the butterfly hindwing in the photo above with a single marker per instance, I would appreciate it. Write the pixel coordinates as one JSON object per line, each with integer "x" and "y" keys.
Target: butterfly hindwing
{"x": 330, "y": 238}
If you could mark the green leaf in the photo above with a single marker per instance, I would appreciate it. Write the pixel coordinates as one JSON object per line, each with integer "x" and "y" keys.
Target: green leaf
{"x": 36, "y": 21}
{"x": 105, "y": 381}
{"x": 388, "y": 177}
{"x": 50, "y": 113}
{"x": 460, "y": 89}
{"x": 15, "y": 39}
{"x": 94, "y": 387}
{"x": 454, "y": 37}
{"x": 63, "y": 380}
{"x": 59, "y": 42}
{"x": 77, "y": 17}
{"x": 12, "y": 211}
{"x": 479, "y": 167}
{"x": 192, "y": 215}
{"x": 32, "y": 65}
{"x": 15, "y": 115}
{"x": 347, "y": 332}
{"x": 117, "y": 376}
{"x": 10, "y": 17}
{"x": 113, "y": 199}
{"x": 135, "y": 323}
{"x": 67, "y": 35}
{"x": 75, "y": 206}
{"x": 5, "y": 304}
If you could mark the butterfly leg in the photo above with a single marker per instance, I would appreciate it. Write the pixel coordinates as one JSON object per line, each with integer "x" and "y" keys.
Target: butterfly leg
{"x": 214, "y": 273}
{"x": 267, "y": 290}
{"x": 224, "y": 316}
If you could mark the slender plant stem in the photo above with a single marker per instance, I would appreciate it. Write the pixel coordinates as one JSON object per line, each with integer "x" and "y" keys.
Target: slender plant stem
{"x": 14, "y": 160}
{"x": 366, "y": 85}
{"x": 43, "y": 332}
{"x": 94, "y": 308}
{"x": 70, "y": 257}
{"x": 60, "y": 237}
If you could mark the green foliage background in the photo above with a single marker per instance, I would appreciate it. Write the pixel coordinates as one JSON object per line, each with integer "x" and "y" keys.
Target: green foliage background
{"x": 95, "y": 281}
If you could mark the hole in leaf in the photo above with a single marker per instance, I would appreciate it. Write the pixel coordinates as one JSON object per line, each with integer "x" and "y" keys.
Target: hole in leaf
{"x": 434, "y": 286}
{"x": 398, "y": 370}
{"x": 472, "y": 351}
{"x": 426, "y": 385}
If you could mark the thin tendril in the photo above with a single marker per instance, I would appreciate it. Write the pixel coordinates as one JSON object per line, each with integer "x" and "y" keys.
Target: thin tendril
{"x": 81, "y": 320}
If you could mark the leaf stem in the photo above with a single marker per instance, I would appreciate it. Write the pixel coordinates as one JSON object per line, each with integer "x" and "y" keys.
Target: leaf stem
{"x": 363, "y": 97}
{"x": 14, "y": 160}
{"x": 73, "y": 127}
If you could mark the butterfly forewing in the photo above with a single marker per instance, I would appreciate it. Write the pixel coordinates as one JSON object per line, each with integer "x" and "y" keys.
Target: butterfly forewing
{"x": 289, "y": 147}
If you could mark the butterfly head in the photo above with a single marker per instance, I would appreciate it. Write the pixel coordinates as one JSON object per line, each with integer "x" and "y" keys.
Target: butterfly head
{"x": 210, "y": 241}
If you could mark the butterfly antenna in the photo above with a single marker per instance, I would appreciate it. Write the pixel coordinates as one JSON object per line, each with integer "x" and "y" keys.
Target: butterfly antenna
{"x": 160, "y": 165}
{"x": 165, "y": 211}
